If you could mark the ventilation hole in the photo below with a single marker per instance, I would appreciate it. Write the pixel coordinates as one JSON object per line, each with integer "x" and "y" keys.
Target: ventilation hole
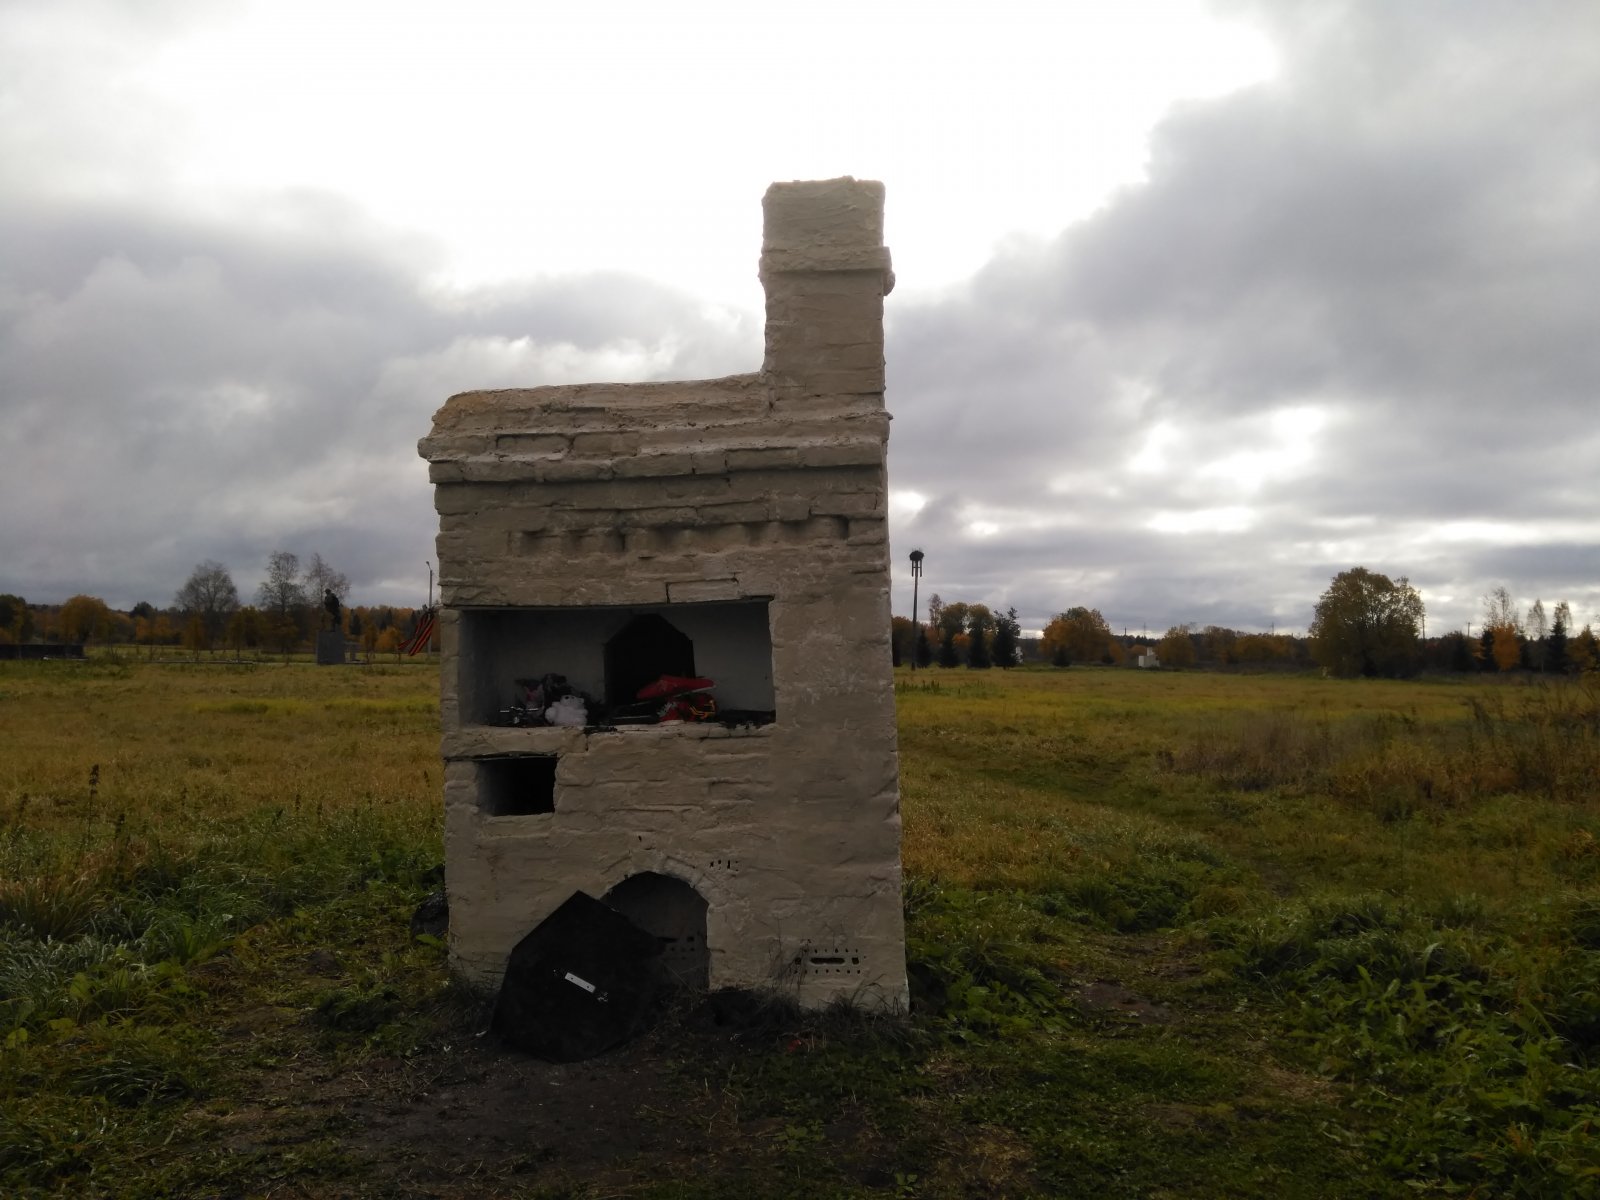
{"x": 517, "y": 785}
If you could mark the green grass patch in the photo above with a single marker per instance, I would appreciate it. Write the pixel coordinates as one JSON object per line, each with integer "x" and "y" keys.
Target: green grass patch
{"x": 1168, "y": 935}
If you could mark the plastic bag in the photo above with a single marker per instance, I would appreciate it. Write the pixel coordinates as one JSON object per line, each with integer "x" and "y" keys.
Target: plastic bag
{"x": 569, "y": 710}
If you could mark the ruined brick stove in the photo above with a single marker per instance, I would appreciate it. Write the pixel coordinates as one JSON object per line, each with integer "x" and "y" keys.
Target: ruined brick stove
{"x": 730, "y": 528}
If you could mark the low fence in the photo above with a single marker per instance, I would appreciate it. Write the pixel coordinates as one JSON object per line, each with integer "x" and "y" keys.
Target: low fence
{"x": 37, "y": 650}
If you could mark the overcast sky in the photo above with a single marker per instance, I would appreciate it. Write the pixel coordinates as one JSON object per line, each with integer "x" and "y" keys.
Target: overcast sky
{"x": 1197, "y": 305}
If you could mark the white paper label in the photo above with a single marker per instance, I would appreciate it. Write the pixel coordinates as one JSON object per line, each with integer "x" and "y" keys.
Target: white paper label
{"x": 583, "y": 983}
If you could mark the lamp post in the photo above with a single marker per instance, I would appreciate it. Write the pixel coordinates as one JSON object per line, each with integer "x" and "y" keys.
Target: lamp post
{"x": 916, "y": 576}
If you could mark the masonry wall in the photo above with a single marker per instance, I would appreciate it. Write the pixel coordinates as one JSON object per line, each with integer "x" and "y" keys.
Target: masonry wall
{"x": 765, "y": 489}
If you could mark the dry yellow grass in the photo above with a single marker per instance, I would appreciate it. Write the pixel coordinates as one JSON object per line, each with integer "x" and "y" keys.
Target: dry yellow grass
{"x": 159, "y": 746}
{"x": 1419, "y": 787}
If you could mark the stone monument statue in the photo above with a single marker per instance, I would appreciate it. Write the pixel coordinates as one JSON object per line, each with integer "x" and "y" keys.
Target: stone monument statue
{"x": 330, "y": 641}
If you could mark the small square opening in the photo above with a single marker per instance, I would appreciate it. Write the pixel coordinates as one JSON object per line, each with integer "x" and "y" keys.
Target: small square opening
{"x": 520, "y": 785}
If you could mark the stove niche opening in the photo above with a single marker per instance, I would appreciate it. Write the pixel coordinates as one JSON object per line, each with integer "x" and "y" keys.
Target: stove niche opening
{"x": 608, "y": 652}
{"x": 517, "y": 785}
{"x": 675, "y": 914}
{"x": 645, "y": 649}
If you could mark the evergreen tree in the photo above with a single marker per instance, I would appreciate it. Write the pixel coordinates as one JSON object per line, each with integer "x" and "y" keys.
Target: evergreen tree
{"x": 978, "y": 648}
{"x": 903, "y": 634}
{"x": 1556, "y": 645}
{"x": 1006, "y": 633}
{"x": 1583, "y": 651}
{"x": 948, "y": 656}
{"x": 924, "y": 653}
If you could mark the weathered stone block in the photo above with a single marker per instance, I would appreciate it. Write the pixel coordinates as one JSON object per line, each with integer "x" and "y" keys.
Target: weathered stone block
{"x": 532, "y": 445}
{"x": 571, "y": 470}
{"x": 653, "y": 466}
{"x": 693, "y": 591}
{"x": 766, "y": 458}
{"x": 867, "y": 531}
{"x": 856, "y": 504}
{"x": 606, "y": 445}
{"x": 854, "y": 453}
{"x": 823, "y": 213}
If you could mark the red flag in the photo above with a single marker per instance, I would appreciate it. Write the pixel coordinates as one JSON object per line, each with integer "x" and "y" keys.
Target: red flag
{"x": 424, "y": 633}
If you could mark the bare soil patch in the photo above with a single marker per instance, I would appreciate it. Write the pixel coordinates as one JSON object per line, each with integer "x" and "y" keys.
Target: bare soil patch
{"x": 467, "y": 1115}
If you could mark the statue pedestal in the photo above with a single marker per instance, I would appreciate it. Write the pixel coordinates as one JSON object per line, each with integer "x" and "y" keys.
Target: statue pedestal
{"x": 330, "y": 648}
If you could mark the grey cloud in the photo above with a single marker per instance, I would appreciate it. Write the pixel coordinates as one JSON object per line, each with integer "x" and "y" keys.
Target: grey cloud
{"x": 177, "y": 390}
{"x": 1566, "y": 569}
{"x": 1398, "y": 229}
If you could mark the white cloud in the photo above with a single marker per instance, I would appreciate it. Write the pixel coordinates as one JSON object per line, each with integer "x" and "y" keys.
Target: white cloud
{"x": 1231, "y": 519}
{"x": 905, "y": 505}
{"x": 1154, "y": 454}
{"x": 1286, "y": 448}
{"x": 634, "y": 136}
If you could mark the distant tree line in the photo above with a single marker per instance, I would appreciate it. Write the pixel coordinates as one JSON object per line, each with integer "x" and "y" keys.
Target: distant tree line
{"x": 959, "y": 634}
{"x": 206, "y": 616}
{"x": 1540, "y": 641}
{"x": 1364, "y": 624}
{"x": 1368, "y": 624}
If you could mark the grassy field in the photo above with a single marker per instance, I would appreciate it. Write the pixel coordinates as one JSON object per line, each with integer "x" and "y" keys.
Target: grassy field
{"x": 1170, "y": 935}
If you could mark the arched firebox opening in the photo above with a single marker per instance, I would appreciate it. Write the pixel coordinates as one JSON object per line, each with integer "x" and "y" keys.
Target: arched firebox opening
{"x": 674, "y": 913}
{"x": 645, "y": 649}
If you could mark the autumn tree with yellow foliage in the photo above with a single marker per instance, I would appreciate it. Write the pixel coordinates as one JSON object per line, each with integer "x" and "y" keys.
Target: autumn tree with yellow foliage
{"x": 84, "y": 619}
{"x": 1502, "y": 631}
{"x": 1176, "y": 649}
{"x": 1077, "y": 635}
{"x": 1367, "y": 624}
{"x": 389, "y": 642}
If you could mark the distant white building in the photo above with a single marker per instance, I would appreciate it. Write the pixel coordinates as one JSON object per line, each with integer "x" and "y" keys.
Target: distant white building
{"x": 1147, "y": 658}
